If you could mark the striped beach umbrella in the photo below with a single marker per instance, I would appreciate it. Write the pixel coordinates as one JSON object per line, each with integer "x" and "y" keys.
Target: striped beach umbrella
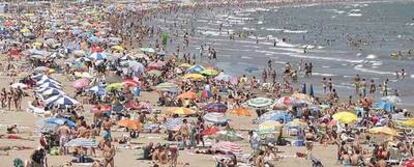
{"x": 216, "y": 107}
{"x": 260, "y": 102}
{"x": 61, "y": 100}
{"x": 98, "y": 56}
{"x": 216, "y": 118}
{"x": 227, "y": 146}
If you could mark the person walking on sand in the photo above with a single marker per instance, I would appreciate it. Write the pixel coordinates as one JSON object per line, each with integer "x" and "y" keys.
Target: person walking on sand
{"x": 108, "y": 152}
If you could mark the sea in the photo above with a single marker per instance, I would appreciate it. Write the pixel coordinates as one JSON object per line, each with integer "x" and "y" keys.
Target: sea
{"x": 339, "y": 39}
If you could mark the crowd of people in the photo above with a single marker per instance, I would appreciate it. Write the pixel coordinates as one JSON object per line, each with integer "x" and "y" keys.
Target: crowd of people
{"x": 100, "y": 51}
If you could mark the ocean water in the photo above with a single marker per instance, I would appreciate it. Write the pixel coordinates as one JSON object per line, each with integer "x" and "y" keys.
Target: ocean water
{"x": 326, "y": 30}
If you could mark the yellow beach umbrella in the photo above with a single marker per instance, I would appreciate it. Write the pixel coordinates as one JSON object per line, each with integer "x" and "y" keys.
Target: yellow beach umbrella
{"x": 114, "y": 86}
{"x": 181, "y": 111}
{"x": 194, "y": 76}
{"x": 24, "y": 30}
{"x": 210, "y": 72}
{"x": 185, "y": 65}
{"x": 118, "y": 48}
{"x": 383, "y": 130}
{"x": 407, "y": 123}
{"x": 345, "y": 117}
{"x": 269, "y": 127}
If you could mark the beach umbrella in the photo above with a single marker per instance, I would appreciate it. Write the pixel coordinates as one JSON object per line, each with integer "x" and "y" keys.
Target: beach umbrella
{"x": 192, "y": 76}
{"x": 18, "y": 85}
{"x": 101, "y": 108}
{"x": 82, "y": 142}
{"x": 287, "y": 100}
{"x": 185, "y": 65}
{"x": 98, "y": 90}
{"x": 181, "y": 111}
{"x": 167, "y": 87}
{"x": 226, "y": 146}
{"x": 241, "y": 111}
{"x": 41, "y": 69}
{"x": 130, "y": 83}
{"x": 114, "y": 86}
{"x": 383, "y": 130}
{"x": 302, "y": 98}
{"x": 259, "y": 102}
{"x": 195, "y": 69}
{"x": 25, "y": 30}
{"x": 269, "y": 127}
{"x": 188, "y": 95}
{"x": 216, "y": 118}
{"x": 407, "y": 123}
{"x": 148, "y": 50}
{"x": 131, "y": 124}
{"x": 118, "y": 48}
{"x": 81, "y": 83}
{"x": 98, "y": 56}
{"x": 274, "y": 116}
{"x": 209, "y": 72}
{"x": 228, "y": 135}
{"x": 173, "y": 124}
{"x": 61, "y": 100}
{"x": 216, "y": 107}
{"x": 345, "y": 117}
{"x": 50, "y": 92}
{"x": 156, "y": 73}
{"x": 48, "y": 80}
{"x": 57, "y": 121}
{"x": 49, "y": 85}
{"x": 210, "y": 131}
{"x": 39, "y": 77}
{"x": 296, "y": 123}
{"x": 156, "y": 65}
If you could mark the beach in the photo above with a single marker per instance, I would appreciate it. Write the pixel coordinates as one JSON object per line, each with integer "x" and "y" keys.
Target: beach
{"x": 266, "y": 83}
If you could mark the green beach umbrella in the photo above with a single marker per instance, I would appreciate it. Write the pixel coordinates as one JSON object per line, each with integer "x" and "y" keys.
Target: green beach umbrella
{"x": 209, "y": 72}
{"x": 114, "y": 86}
{"x": 259, "y": 102}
